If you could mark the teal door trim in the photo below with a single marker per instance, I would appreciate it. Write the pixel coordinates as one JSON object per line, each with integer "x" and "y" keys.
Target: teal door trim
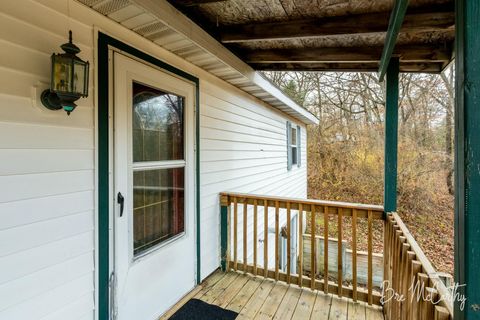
{"x": 104, "y": 43}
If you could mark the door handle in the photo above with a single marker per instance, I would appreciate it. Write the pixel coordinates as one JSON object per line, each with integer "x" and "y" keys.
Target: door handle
{"x": 120, "y": 201}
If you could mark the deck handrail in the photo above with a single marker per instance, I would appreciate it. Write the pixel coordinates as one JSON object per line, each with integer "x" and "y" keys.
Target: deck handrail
{"x": 230, "y": 203}
{"x": 405, "y": 265}
{"x": 404, "y": 261}
{"x": 308, "y": 202}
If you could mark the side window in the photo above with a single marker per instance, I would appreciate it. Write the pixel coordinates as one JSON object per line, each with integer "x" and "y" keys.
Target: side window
{"x": 293, "y": 145}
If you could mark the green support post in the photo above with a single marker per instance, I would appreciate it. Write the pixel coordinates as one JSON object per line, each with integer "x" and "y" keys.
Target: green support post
{"x": 391, "y": 137}
{"x": 467, "y": 158}
{"x": 223, "y": 232}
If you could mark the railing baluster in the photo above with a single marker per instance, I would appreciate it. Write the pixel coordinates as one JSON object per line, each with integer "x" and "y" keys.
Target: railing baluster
{"x": 388, "y": 266}
{"x": 325, "y": 249}
{"x": 403, "y": 258}
{"x": 277, "y": 231}
{"x": 289, "y": 249}
{"x": 245, "y": 229}
{"x": 235, "y": 237}
{"x": 404, "y": 279}
{"x": 300, "y": 244}
{"x": 430, "y": 303}
{"x": 395, "y": 271}
{"x": 397, "y": 282}
{"x": 423, "y": 282}
{"x": 354, "y": 254}
{"x": 265, "y": 237}
{"x": 255, "y": 218}
{"x": 408, "y": 282}
{"x": 370, "y": 257}
{"x": 386, "y": 251}
{"x": 393, "y": 266}
{"x": 312, "y": 247}
{"x": 339, "y": 252}
{"x": 416, "y": 269}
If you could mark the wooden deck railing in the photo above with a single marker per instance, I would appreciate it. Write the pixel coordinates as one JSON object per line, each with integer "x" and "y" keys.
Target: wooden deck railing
{"x": 410, "y": 274}
{"x": 235, "y": 206}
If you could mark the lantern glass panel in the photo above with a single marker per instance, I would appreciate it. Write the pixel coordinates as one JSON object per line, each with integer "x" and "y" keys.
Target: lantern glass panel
{"x": 62, "y": 74}
{"x": 79, "y": 77}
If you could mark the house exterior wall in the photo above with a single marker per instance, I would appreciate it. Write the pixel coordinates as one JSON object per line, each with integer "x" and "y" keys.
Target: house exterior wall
{"x": 47, "y": 167}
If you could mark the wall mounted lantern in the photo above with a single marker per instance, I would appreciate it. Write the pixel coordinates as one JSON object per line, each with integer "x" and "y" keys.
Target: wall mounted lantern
{"x": 69, "y": 79}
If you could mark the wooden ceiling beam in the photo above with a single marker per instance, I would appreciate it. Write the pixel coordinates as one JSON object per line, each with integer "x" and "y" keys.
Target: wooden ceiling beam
{"x": 430, "y": 67}
{"x": 436, "y": 19}
{"x": 412, "y": 53}
{"x": 191, "y": 3}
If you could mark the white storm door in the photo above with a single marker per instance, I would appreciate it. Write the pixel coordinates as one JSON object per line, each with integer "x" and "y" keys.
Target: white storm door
{"x": 154, "y": 241}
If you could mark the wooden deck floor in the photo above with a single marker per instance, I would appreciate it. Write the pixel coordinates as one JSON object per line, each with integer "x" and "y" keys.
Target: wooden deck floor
{"x": 258, "y": 298}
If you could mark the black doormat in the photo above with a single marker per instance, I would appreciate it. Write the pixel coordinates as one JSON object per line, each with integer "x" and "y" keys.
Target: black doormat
{"x": 196, "y": 309}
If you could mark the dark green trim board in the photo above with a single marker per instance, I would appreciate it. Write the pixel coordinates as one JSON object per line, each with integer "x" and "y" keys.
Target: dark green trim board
{"x": 197, "y": 174}
{"x": 391, "y": 137}
{"x": 289, "y": 146}
{"x": 104, "y": 42}
{"x": 223, "y": 236}
{"x": 394, "y": 25}
{"x": 467, "y": 156}
{"x": 103, "y": 180}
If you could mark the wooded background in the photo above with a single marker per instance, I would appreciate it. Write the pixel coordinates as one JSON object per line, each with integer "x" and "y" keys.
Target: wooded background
{"x": 346, "y": 150}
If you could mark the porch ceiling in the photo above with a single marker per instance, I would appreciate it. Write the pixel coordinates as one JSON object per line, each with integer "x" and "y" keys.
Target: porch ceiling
{"x": 159, "y": 22}
{"x": 327, "y": 35}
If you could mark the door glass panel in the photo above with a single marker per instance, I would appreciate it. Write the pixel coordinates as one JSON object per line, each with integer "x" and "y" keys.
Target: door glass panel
{"x": 157, "y": 125}
{"x": 158, "y": 206}
{"x": 158, "y": 192}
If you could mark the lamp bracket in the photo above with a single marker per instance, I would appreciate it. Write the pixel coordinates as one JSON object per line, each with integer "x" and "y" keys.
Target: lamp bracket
{"x": 51, "y": 100}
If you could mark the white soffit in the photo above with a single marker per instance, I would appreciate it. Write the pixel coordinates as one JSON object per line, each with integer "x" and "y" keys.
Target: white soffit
{"x": 160, "y": 22}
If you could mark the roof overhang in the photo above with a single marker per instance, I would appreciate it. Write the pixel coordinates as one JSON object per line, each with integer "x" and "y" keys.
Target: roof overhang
{"x": 162, "y": 23}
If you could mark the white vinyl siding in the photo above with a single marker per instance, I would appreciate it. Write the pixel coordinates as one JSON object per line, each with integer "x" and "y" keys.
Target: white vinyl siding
{"x": 47, "y": 197}
{"x": 47, "y": 172}
{"x": 243, "y": 150}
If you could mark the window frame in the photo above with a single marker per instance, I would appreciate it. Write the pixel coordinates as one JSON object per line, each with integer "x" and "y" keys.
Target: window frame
{"x": 294, "y": 154}
{"x": 157, "y": 165}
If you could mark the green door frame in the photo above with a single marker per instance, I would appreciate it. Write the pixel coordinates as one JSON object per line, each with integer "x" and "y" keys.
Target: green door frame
{"x": 104, "y": 43}
{"x": 467, "y": 156}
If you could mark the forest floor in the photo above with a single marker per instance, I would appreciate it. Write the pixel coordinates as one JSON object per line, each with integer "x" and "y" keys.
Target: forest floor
{"x": 432, "y": 226}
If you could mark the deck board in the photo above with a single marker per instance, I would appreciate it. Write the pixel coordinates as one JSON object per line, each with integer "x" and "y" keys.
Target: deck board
{"x": 244, "y": 295}
{"x": 253, "y": 305}
{"x": 305, "y": 305}
{"x": 234, "y": 288}
{"x": 356, "y": 310}
{"x": 261, "y": 299}
{"x": 321, "y": 309}
{"x": 374, "y": 313}
{"x": 272, "y": 302}
{"x": 338, "y": 309}
{"x": 289, "y": 304}
{"x": 219, "y": 288}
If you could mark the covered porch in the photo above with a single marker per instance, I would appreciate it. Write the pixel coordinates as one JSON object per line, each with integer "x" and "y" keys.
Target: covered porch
{"x": 411, "y": 288}
{"x": 420, "y": 39}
